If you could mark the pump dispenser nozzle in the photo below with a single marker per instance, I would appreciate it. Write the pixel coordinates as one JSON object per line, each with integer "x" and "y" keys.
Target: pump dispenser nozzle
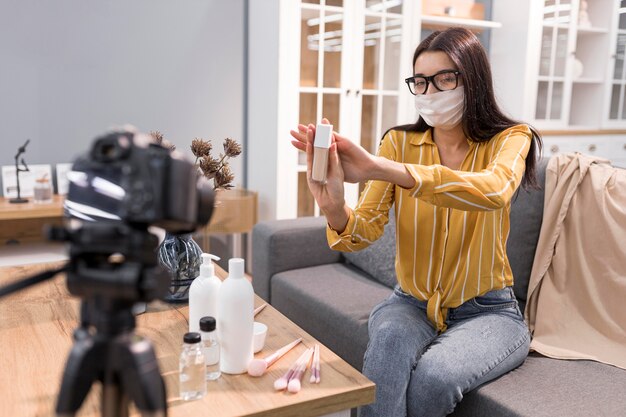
{"x": 207, "y": 269}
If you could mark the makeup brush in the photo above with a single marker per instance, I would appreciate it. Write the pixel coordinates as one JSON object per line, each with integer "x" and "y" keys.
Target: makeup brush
{"x": 259, "y": 309}
{"x": 295, "y": 382}
{"x": 257, "y": 367}
{"x": 315, "y": 366}
{"x": 282, "y": 382}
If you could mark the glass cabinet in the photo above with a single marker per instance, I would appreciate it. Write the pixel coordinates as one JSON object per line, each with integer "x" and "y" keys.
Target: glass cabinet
{"x": 575, "y": 54}
{"x": 345, "y": 60}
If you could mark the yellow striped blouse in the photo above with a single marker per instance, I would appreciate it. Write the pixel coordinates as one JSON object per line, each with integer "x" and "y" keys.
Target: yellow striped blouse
{"x": 452, "y": 226}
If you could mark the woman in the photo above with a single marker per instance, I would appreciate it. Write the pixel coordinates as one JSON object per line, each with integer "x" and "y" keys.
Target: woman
{"x": 453, "y": 322}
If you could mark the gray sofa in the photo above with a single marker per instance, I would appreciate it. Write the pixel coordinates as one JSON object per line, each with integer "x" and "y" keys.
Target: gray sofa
{"x": 330, "y": 296}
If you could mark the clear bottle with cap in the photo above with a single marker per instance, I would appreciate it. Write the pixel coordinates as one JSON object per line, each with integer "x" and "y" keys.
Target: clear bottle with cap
{"x": 235, "y": 320}
{"x": 203, "y": 293}
{"x": 192, "y": 368}
{"x": 42, "y": 192}
{"x": 211, "y": 348}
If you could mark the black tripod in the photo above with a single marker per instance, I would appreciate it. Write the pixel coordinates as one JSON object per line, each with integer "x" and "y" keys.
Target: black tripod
{"x": 111, "y": 267}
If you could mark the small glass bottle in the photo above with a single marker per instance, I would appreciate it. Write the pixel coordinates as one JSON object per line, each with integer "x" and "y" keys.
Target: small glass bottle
{"x": 42, "y": 191}
{"x": 211, "y": 348}
{"x": 192, "y": 368}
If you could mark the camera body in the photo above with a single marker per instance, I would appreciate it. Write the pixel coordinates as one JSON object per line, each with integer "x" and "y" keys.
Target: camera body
{"x": 125, "y": 177}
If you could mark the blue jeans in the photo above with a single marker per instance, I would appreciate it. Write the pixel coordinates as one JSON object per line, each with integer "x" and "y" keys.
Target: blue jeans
{"x": 421, "y": 373}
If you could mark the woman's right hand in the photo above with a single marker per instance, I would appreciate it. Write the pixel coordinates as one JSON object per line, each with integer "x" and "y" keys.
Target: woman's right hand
{"x": 329, "y": 195}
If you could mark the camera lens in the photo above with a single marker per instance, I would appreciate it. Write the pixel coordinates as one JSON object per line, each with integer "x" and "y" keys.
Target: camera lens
{"x": 108, "y": 150}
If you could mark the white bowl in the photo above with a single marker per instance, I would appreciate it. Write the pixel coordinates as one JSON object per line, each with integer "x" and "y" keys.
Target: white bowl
{"x": 258, "y": 340}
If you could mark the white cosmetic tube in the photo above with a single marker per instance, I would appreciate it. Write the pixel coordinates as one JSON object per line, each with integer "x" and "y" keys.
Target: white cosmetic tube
{"x": 321, "y": 146}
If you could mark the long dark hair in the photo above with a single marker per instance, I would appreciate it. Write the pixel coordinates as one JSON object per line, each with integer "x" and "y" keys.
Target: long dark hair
{"x": 482, "y": 117}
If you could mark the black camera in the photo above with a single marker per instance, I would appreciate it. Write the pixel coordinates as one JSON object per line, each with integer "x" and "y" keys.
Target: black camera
{"x": 125, "y": 177}
{"x": 121, "y": 186}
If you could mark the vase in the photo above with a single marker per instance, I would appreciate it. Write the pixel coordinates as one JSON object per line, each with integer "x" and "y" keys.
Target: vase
{"x": 182, "y": 256}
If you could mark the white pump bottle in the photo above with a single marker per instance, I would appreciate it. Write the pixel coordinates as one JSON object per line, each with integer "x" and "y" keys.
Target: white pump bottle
{"x": 235, "y": 320}
{"x": 203, "y": 293}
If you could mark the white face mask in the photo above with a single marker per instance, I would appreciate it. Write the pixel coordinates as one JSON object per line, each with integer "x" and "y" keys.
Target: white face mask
{"x": 442, "y": 109}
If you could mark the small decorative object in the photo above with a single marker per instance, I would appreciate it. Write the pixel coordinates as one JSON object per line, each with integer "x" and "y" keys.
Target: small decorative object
{"x": 216, "y": 168}
{"x": 577, "y": 69}
{"x": 20, "y": 151}
{"x": 43, "y": 190}
{"x": 180, "y": 254}
{"x": 583, "y": 15}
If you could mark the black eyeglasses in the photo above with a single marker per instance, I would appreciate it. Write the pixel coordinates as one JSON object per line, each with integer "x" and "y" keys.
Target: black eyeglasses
{"x": 443, "y": 81}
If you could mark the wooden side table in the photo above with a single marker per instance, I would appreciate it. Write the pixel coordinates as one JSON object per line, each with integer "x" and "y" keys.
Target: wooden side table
{"x": 235, "y": 213}
{"x": 23, "y": 223}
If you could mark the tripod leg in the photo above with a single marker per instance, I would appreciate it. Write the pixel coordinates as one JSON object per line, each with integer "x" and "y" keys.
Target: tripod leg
{"x": 81, "y": 370}
{"x": 114, "y": 400}
{"x": 139, "y": 373}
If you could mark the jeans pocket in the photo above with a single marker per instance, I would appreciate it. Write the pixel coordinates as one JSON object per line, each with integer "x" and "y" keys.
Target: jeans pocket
{"x": 398, "y": 291}
{"x": 496, "y": 300}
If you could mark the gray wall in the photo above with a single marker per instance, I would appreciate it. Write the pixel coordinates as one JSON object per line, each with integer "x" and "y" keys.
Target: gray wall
{"x": 70, "y": 69}
{"x": 263, "y": 96}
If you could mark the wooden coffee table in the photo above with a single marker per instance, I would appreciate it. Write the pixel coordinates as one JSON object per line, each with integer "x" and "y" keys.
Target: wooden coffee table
{"x": 36, "y": 328}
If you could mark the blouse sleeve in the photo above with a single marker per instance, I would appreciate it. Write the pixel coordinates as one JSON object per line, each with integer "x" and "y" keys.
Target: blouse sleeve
{"x": 489, "y": 189}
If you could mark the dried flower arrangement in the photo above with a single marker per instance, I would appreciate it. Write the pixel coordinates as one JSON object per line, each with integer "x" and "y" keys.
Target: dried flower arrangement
{"x": 217, "y": 169}
{"x": 213, "y": 168}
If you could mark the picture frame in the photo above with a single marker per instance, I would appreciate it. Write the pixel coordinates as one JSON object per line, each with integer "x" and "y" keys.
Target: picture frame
{"x": 27, "y": 179}
{"x": 63, "y": 183}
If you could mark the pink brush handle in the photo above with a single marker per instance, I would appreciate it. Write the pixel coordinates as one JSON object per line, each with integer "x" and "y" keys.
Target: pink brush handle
{"x": 316, "y": 363}
{"x": 295, "y": 365}
{"x": 259, "y": 309}
{"x": 280, "y": 352}
{"x": 303, "y": 365}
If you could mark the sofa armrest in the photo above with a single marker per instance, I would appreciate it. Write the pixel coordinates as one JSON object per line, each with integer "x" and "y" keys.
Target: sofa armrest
{"x": 282, "y": 245}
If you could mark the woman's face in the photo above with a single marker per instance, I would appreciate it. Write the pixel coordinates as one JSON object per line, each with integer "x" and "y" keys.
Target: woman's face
{"x": 432, "y": 62}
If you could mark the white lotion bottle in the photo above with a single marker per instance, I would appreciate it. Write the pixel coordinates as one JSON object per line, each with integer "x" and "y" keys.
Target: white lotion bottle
{"x": 235, "y": 320}
{"x": 203, "y": 293}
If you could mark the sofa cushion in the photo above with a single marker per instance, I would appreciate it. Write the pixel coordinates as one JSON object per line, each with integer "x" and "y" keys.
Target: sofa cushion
{"x": 379, "y": 259}
{"x": 526, "y": 216}
{"x": 331, "y": 302}
{"x": 545, "y": 387}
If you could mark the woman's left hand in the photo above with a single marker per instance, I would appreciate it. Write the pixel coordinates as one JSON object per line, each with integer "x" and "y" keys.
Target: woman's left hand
{"x": 357, "y": 163}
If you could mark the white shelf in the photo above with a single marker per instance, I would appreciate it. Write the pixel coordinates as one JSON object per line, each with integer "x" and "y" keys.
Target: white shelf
{"x": 457, "y": 21}
{"x": 591, "y": 30}
{"x": 301, "y": 168}
{"x": 555, "y": 25}
{"x": 585, "y": 80}
{"x": 326, "y": 90}
{"x": 550, "y": 78}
